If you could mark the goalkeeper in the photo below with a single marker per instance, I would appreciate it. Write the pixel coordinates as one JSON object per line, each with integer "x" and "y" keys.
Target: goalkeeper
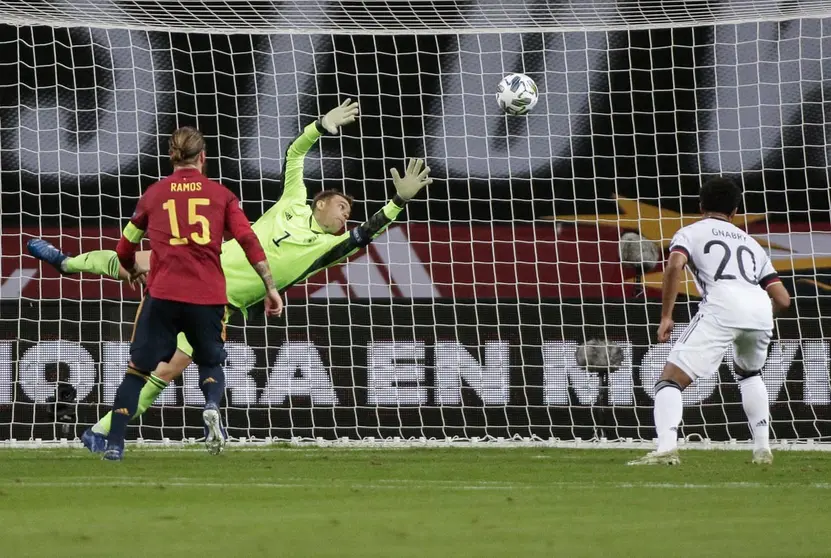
{"x": 298, "y": 240}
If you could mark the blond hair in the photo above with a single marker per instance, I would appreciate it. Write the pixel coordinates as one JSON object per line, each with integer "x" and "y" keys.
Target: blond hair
{"x": 186, "y": 144}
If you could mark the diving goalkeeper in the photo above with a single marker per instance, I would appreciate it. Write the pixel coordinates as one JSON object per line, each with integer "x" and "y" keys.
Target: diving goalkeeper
{"x": 299, "y": 241}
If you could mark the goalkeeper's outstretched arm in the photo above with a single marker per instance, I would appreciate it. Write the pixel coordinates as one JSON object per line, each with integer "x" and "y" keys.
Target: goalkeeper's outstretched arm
{"x": 416, "y": 176}
{"x": 294, "y": 189}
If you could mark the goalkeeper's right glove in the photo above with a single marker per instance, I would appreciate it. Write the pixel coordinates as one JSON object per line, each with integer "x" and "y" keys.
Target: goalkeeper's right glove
{"x": 339, "y": 116}
{"x": 413, "y": 181}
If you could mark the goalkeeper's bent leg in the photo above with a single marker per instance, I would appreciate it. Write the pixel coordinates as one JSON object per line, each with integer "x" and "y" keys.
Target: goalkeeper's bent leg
{"x": 100, "y": 262}
{"x": 165, "y": 373}
{"x": 149, "y": 393}
{"x": 126, "y": 400}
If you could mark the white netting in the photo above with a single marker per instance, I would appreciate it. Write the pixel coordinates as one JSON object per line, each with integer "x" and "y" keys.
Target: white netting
{"x": 465, "y": 320}
{"x": 398, "y": 16}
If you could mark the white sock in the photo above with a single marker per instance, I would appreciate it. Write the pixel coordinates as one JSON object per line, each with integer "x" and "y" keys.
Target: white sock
{"x": 668, "y": 411}
{"x": 757, "y": 408}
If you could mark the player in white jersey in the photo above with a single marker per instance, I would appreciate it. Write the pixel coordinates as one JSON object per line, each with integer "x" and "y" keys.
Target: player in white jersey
{"x": 740, "y": 292}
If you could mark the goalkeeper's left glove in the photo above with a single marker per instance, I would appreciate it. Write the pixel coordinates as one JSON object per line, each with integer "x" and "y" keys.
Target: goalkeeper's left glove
{"x": 413, "y": 181}
{"x": 339, "y": 116}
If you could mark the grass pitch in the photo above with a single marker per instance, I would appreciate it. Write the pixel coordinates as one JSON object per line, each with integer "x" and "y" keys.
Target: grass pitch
{"x": 425, "y": 502}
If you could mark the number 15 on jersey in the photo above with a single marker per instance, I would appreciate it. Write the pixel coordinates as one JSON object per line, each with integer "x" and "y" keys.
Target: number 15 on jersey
{"x": 194, "y": 218}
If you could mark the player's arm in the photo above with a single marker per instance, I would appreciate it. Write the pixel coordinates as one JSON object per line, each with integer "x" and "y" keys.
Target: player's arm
{"x": 294, "y": 188}
{"x": 780, "y": 296}
{"x": 361, "y": 236}
{"x": 416, "y": 176}
{"x": 770, "y": 281}
{"x": 131, "y": 238}
{"x": 678, "y": 256}
{"x": 237, "y": 224}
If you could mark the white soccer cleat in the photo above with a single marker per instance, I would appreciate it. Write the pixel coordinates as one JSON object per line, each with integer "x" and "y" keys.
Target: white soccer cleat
{"x": 658, "y": 458}
{"x": 214, "y": 440}
{"x": 762, "y": 456}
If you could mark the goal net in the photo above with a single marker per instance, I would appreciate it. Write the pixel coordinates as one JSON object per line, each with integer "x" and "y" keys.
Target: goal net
{"x": 468, "y": 318}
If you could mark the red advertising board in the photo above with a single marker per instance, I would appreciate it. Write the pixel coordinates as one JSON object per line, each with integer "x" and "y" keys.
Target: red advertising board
{"x": 541, "y": 260}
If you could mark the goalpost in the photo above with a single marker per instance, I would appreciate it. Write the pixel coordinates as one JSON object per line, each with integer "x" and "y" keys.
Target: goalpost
{"x": 467, "y": 321}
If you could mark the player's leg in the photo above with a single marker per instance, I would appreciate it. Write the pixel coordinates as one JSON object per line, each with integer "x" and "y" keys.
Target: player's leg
{"x": 669, "y": 410}
{"x": 99, "y": 262}
{"x": 697, "y": 354}
{"x": 154, "y": 341}
{"x": 205, "y": 327}
{"x": 750, "y": 352}
{"x": 165, "y": 373}
{"x": 94, "y": 438}
{"x": 45, "y": 251}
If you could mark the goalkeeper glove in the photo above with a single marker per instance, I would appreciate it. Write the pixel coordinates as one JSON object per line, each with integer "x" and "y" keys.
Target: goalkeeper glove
{"x": 339, "y": 116}
{"x": 413, "y": 181}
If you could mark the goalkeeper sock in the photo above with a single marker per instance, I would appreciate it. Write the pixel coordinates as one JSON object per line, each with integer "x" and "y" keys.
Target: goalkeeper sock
{"x": 100, "y": 262}
{"x": 757, "y": 408}
{"x": 668, "y": 411}
{"x": 124, "y": 406}
{"x": 212, "y": 383}
{"x": 149, "y": 393}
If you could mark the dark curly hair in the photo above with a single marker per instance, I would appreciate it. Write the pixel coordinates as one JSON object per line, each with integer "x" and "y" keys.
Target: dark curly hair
{"x": 720, "y": 195}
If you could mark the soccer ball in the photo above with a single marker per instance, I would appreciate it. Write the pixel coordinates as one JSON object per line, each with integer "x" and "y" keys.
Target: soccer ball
{"x": 639, "y": 252}
{"x": 517, "y": 94}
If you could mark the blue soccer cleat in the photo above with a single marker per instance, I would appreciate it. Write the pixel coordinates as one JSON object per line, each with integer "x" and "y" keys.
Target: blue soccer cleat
{"x": 114, "y": 453}
{"x": 214, "y": 432}
{"x": 46, "y": 252}
{"x": 93, "y": 441}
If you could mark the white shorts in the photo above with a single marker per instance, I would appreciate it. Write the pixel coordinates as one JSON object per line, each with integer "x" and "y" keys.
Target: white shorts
{"x": 701, "y": 348}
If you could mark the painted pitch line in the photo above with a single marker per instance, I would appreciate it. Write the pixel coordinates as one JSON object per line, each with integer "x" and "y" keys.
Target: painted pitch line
{"x": 395, "y": 484}
{"x": 268, "y": 485}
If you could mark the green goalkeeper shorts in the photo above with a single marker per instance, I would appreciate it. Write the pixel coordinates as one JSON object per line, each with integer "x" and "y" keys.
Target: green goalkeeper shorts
{"x": 182, "y": 343}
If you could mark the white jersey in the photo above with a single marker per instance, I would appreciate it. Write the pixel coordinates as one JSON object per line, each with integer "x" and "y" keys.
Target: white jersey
{"x": 731, "y": 271}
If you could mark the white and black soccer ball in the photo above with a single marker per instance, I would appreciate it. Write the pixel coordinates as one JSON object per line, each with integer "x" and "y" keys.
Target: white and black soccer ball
{"x": 638, "y": 251}
{"x": 516, "y": 94}
{"x": 599, "y": 356}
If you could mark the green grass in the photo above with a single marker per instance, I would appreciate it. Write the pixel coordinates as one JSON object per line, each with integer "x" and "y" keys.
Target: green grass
{"x": 427, "y": 502}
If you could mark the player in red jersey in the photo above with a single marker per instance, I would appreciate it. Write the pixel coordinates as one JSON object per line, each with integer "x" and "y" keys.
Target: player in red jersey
{"x": 185, "y": 216}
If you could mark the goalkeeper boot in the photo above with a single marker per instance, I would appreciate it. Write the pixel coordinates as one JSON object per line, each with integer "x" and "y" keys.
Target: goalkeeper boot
{"x": 658, "y": 458}
{"x": 762, "y": 456}
{"x": 114, "y": 453}
{"x": 93, "y": 441}
{"x": 215, "y": 436}
{"x": 46, "y": 252}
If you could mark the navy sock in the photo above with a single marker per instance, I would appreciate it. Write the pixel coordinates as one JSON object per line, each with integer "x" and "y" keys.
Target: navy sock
{"x": 124, "y": 406}
{"x": 212, "y": 383}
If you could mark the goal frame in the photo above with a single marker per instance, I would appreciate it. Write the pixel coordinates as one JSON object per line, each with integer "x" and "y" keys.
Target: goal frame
{"x": 677, "y": 17}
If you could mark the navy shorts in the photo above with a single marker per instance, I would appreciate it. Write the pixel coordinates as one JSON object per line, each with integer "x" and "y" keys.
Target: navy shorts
{"x": 159, "y": 322}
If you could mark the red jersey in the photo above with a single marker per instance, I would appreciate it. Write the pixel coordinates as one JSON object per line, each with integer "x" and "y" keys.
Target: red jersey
{"x": 185, "y": 216}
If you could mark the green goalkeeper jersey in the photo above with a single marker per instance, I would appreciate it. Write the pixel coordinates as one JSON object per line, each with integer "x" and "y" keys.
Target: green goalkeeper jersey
{"x": 295, "y": 245}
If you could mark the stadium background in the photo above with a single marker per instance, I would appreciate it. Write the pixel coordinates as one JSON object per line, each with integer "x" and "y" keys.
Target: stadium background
{"x": 640, "y": 114}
